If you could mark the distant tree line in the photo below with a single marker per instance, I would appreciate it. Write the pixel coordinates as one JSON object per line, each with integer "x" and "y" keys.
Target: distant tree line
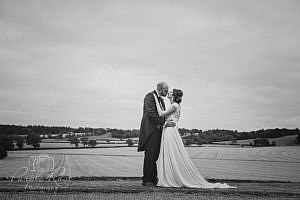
{"x": 213, "y": 135}
{"x": 83, "y": 140}
{"x": 119, "y": 133}
{"x": 55, "y": 130}
{"x": 196, "y": 136}
{"x": 262, "y": 142}
{"x": 8, "y": 142}
{"x": 12, "y": 136}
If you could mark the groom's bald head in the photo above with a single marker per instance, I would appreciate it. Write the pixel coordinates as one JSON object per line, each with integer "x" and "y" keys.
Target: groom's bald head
{"x": 162, "y": 88}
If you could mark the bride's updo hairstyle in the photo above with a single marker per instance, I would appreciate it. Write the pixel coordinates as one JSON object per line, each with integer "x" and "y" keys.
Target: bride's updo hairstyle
{"x": 177, "y": 95}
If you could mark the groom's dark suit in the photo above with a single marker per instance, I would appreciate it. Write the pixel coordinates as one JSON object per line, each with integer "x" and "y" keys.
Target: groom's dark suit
{"x": 150, "y": 136}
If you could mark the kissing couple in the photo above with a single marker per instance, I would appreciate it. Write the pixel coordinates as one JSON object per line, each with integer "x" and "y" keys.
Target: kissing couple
{"x": 166, "y": 161}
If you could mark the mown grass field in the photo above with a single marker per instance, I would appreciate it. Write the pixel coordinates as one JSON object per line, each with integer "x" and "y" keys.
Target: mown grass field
{"x": 132, "y": 189}
{"x": 137, "y": 196}
{"x": 266, "y": 163}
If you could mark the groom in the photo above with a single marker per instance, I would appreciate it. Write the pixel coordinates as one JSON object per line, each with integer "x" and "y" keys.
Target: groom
{"x": 150, "y": 133}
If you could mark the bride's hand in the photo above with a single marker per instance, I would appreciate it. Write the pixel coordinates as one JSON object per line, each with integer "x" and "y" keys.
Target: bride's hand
{"x": 170, "y": 124}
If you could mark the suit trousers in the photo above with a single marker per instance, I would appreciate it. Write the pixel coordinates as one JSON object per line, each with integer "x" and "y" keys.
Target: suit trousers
{"x": 151, "y": 156}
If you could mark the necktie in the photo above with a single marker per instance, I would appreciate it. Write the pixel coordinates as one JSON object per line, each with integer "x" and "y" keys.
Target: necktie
{"x": 161, "y": 103}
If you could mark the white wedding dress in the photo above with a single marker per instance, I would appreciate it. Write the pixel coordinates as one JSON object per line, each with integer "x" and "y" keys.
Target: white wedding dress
{"x": 174, "y": 166}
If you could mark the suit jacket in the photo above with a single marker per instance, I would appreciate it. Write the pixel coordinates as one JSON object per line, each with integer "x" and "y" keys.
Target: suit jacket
{"x": 151, "y": 122}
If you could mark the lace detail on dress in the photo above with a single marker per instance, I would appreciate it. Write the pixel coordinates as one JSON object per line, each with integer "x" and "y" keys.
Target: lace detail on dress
{"x": 175, "y": 115}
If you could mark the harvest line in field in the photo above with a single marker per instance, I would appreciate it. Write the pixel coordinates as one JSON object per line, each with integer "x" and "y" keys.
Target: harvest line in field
{"x": 194, "y": 158}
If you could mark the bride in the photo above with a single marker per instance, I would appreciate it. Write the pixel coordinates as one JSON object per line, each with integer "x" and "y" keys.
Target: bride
{"x": 174, "y": 166}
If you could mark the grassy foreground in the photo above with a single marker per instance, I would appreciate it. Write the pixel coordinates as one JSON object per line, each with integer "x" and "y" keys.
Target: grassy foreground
{"x": 132, "y": 189}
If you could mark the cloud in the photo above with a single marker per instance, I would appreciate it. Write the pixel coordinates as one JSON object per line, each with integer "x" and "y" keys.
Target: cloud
{"x": 80, "y": 63}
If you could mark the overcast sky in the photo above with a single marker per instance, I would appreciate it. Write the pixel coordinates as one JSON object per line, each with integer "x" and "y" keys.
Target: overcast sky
{"x": 90, "y": 63}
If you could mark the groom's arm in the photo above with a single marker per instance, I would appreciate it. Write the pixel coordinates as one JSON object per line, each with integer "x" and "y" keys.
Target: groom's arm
{"x": 161, "y": 112}
{"x": 151, "y": 110}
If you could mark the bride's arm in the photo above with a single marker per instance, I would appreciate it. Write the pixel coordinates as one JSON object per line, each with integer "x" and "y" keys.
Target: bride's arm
{"x": 161, "y": 112}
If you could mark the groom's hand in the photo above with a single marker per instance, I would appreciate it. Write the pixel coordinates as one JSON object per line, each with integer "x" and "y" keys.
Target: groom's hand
{"x": 170, "y": 124}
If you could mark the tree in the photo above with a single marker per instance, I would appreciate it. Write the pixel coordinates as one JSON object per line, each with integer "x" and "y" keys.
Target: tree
{"x": 130, "y": 142}
{"x": 188, "y": 142}
{"x": 199, "y": 141}
{"x": 80, "y": 130}
{"x": 100, "y": 131}
{"x": 261, "y": 142}
{"x": 34, "y": 140}
{"x": 4, "y": 146}
{"x": 20, "y": 142}
{"x": 84, "y": 141}
{"x": 233, "y": 141}
{"x": 92, "y": 143}
{"x": 3, "y": 152}
{"x": 10, "y": 132}
{"x": 298, "y": 139}
{"x": 60, "y": 135}
{"x": 74, "y": 140}
{"x": 10, "y": 144}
